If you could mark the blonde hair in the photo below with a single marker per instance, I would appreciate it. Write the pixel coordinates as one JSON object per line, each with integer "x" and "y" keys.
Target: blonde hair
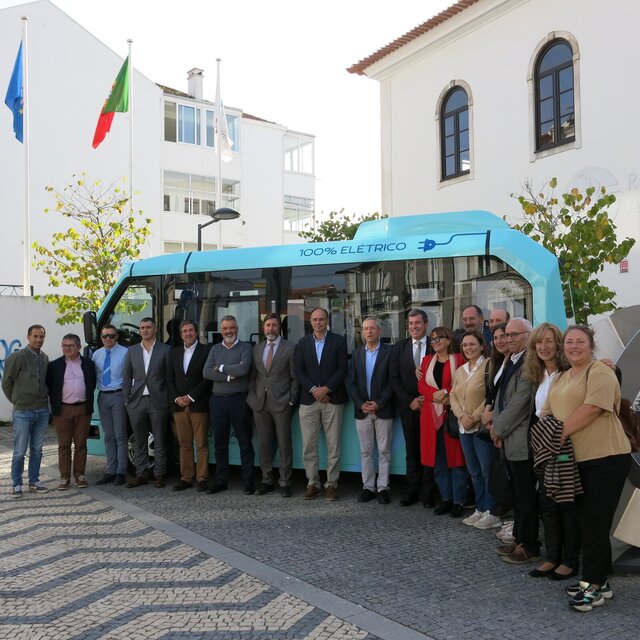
{"x": 534, "y": 367}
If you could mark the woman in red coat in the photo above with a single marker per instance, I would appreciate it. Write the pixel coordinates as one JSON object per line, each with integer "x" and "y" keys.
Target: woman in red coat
{"x": 437, "y": 448}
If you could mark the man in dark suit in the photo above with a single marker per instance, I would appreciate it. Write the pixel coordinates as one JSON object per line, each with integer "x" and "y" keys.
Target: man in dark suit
{"x": 189, "y": 395}
{"x": 145, "y": 395}
{"x": 368, "y": 385}
{"x": 405, "y": 373}
{"x": 320, "y": 364}
{"x": 71, "y": 380}
{"x": 273, "y": 391}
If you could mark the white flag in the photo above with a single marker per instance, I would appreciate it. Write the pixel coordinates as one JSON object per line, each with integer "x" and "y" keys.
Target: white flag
{"x": 224, "y": 142}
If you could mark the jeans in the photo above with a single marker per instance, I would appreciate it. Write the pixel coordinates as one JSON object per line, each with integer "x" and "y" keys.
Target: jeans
{"x": 29, "y": 430}
{"x": 451, "y": 481}
{"x": 479, "y": 456}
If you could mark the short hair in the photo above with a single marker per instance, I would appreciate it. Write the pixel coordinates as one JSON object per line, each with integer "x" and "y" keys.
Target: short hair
{"x": 478, "y": 336}
{"x": 326, "y": 313}
{"x": 588, "y": 331}
{"x": 72, "y": 336}
{"x": 111, "y": 326}
{"x": 148, "y": 319}
{"x": 473, "y": 306}
{"x": 507, "y": 314}
{"x": 524, "y": 321}
{"x": 374, "y": 319}
{"x": 229, "y": 319}
{"x": 448, "y": 334}
{"x": 31, "y": 329}
{"x": 418, "y": 312}
{"x": 272, "y": 316}
{"x": 189, "y": 323}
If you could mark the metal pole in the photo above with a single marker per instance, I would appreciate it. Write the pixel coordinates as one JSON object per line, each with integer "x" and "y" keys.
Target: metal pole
{"x": 26, "y": 279}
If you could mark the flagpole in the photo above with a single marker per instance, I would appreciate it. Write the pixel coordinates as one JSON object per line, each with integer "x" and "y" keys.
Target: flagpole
{"x": 130, "y": 75}
{"x": 26, "y": 258}
{"x": 219, "y": 149}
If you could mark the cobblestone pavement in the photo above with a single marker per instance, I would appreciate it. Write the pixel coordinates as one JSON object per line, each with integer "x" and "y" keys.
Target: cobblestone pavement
{"x": 429, "y": 575}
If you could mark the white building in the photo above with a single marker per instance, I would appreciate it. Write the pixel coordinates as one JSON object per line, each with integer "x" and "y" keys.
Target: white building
{"x": 269, "y": 179}
{"x": 489, "y": 94}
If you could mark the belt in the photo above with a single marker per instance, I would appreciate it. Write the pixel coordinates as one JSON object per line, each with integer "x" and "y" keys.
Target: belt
{"x": 74, "y": 404}
{"x": 112, "y": 391}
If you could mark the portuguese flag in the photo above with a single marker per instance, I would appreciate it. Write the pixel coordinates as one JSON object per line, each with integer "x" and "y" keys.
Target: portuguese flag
{"x": 118, "y": 100}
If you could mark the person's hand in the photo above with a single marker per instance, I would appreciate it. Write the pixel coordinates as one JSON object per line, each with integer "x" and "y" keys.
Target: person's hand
{"x": 610, "y": 363}
{"x": 468, "y": 422}
{"x": 487, "y": 415}
{"x": 416, "y": 404}
{"x": 418, "y": 374}
{"x": 439, "y": 396}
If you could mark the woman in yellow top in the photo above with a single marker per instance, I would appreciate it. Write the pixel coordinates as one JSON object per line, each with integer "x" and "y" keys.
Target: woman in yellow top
{"x": 586, "y": 398}
{"x": 467, "y": 403}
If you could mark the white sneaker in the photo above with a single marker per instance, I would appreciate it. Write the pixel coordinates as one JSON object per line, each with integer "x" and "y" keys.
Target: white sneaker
{"x": 473, "y": 518}
{"x": 506, "y": 530}
{"x": 488, "y": 521}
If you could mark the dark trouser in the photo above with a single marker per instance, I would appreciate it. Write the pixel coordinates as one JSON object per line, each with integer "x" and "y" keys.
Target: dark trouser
{"x": 272, "y": 427}
{"x": 420, "y": 479}
{"x": 560, "y": 529}
{"x": 602, "y": 481}
{"x": 525, "y": 508}
{"x": 225, "y": 411}
{"x": 72, "y": 426}
{"x": 144, "y": 417}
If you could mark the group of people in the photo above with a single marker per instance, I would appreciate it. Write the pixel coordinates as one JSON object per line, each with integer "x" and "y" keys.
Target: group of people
{"x": 534, "y": 399}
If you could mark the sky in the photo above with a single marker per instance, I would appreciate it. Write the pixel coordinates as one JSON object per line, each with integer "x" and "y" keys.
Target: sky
{"x": 284, "y": 61}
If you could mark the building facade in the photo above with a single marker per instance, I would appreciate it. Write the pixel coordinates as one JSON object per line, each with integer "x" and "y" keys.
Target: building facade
{"x": 269, "y": 177}
{"x": 492, "y": 94}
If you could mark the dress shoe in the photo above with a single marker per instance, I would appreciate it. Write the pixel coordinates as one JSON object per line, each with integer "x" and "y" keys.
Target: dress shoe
{"x": 429, "y": 503}
{"x": 456, "y": 511}
{"x": 521, "y": 556}
{"x": 541, "y": 573}
{"x": 408, "y": 500}
{"x": 311, "y": 492}
{"x": 81, "y": 482}
{"x": 249, "y": 490}
{"x": 442, "y": 508}
{"x": 383, "y": 497}
{"x": 120, "y": 479}
{"x": 264, "y": 488}
{"x": 554, "y": 575}
{"x": 137, "y": 481}
{"x": 366, "y": 495}
{"x": 217, "y": 488}
{"x": 201, "y": 486}
{"x": 331, "y": 494}
{"x": 107, "y": 478}
{"x": 506, "y": 549}
{"x": 285, "y": 492}
{"x": 181, "y": 485}
{"x": 161, "y": 481}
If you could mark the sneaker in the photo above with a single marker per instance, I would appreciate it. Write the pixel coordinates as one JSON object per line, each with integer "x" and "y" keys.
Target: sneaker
{"x": 488, "y": 521}
{"x": 506, "y": 531}
{"x": 16, "y": 492}
{"x": 64, "y": 484}
{"x": 605, "y": 589}
{"x": 38, "y": 487}
{"x": 521, "y": 556}
{"x": 81, "y": 482}
{"x": 473, "y": 518}
{"x": 587, "y": 598}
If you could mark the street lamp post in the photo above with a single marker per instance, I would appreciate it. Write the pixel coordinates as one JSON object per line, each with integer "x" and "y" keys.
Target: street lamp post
{"x": 218, "y": 215}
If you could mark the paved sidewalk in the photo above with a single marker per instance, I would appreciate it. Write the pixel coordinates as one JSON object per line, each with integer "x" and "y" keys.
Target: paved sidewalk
{"x": 311, "y": 569}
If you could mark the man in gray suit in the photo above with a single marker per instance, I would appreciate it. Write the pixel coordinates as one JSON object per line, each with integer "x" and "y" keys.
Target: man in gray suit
{"x": 273, "y": 390}
{"x": 145, "y": 395}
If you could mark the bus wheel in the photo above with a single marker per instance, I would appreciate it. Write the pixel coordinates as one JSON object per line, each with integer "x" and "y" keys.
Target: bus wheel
{"x": 131, "y": 452}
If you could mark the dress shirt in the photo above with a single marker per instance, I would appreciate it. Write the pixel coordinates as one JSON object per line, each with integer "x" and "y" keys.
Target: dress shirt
{"x": 187, "y": 355}
{"x": 370, "y": 363}
{"x": 118, "y": 354}
{"x": 320, "y": 345}
{"x": 265, "y": 352}
{"x": 146, "y": 358}
{"x": 73, "y": 389}
{"x": 543, "y": 390}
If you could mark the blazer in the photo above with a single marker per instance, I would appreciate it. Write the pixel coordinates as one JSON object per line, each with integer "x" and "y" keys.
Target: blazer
{"x": 277, "y": 389}
{"x": 191, "y": 383}
{"x": 330, "y": 372}
{"x": 134, "y": 377}
{"x": 402, "y": 374}
{"x": 381, "y": 392}
{"x": 55, "y": 382}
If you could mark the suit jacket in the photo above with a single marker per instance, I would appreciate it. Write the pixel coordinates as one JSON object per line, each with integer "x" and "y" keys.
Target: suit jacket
{"x": 381, "y": 392}
{"x": 402, "y": 375}
{"x": 191, "y": 383}
{"x": 55, "y": 381}
{"x": 276, "y": 389}
{"x": 134, "y": 376}
{"x": 330, "y": 372}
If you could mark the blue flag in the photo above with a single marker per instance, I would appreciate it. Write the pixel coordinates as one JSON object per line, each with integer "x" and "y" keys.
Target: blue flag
{"x": 15, "y": 97}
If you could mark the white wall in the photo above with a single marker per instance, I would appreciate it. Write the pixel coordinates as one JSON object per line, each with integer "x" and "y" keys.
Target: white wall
{"x": 490, "y": 47}
{"x": 18, "y": 313}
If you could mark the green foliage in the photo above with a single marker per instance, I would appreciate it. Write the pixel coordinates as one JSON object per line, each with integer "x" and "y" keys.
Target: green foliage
{"x": 576, "y": 227}
{"x": 339, "y": 226}
{"x": 89, "y": 255}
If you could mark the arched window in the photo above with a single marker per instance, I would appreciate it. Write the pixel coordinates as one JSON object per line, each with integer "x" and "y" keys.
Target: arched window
{"x": 554, "y": 91}
{"x": 454, "y": 134}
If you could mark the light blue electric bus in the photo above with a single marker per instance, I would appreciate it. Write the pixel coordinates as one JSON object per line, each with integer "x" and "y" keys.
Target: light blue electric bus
{"x": 437, "y": 262}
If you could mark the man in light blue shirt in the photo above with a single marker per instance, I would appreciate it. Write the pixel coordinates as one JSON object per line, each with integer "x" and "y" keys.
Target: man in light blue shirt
{"x": 109, "y": 361}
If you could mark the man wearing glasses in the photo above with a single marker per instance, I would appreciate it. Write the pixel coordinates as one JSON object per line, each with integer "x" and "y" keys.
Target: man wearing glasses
{"x": 109, "y": 361}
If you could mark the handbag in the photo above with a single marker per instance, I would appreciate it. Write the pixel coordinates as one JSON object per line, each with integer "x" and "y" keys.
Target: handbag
{"x": 451, "y": 426}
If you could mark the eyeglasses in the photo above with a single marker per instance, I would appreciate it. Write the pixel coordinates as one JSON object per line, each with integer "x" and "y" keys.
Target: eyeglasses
{"x": 437, "y": 339}
{"x": 108, "y": 336}
{"x": 514, "y": 334}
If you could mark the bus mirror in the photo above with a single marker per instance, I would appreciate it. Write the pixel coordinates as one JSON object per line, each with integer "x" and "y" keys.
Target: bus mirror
{"x": 90, "y": 328}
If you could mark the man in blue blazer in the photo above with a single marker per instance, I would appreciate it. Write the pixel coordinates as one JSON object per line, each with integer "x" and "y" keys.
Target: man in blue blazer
{"x": 320, "y": 364}
{"x": 368, "y": 385}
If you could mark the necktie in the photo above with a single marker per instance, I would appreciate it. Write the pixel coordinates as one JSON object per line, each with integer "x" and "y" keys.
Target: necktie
{"x": 106, "y": 372}
{"x": 269, "y": 356}
{"x": 417, "y": 353}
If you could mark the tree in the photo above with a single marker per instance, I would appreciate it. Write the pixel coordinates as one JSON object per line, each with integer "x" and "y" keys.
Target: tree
{"x": 339, "y": 226}
{"x": 578, "y": 230}
{"x": 90, "y": 253}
